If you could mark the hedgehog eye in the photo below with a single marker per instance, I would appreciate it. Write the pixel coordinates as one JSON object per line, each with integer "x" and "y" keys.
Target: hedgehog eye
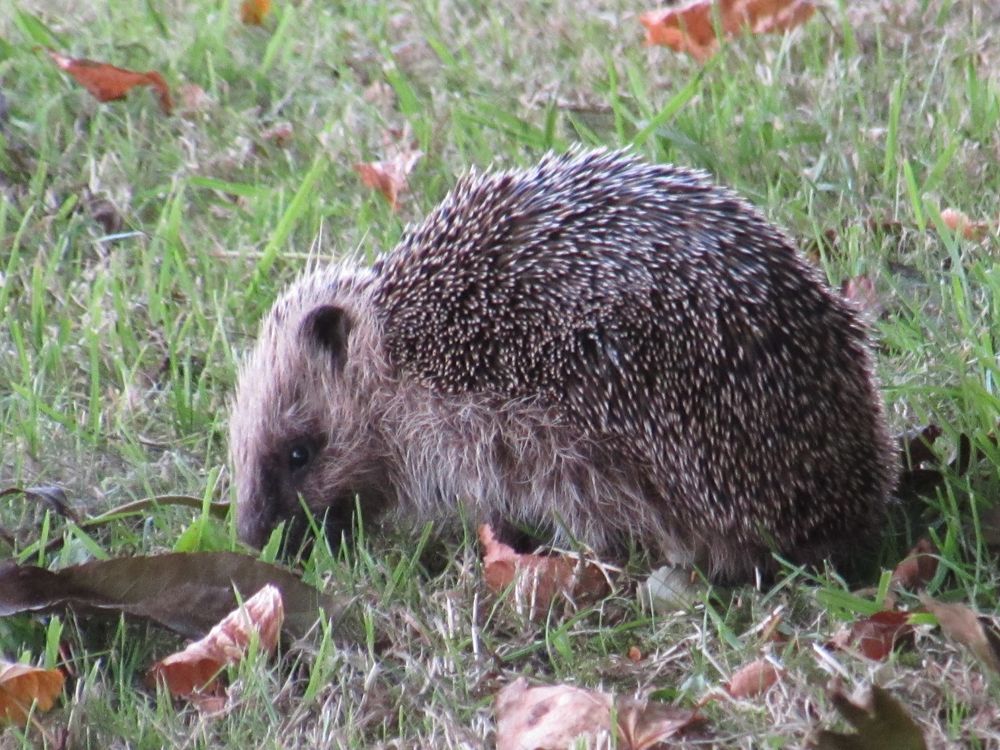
{"x": 298, "y": 456}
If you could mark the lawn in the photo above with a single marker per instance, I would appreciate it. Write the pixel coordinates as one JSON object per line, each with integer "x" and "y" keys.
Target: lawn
{"x": 138, "y": 252}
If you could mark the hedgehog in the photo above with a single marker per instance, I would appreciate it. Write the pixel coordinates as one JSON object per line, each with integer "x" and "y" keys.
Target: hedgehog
{"x": 606, "y": 351}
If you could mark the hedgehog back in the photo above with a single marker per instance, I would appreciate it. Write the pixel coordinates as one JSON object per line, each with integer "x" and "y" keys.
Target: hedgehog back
{"x": 664, "y": 318}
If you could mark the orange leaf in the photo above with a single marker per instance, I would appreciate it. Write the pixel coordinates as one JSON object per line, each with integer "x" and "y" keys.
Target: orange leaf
{"x": 193, "y": 669}
{"x": 538, "y": 579}
{"x": 253, "y": 11}
{"x": 959, "y": 223}
{"x": 108, "y": 83}
{"x": 21, "y": 685}
{"x": 389, "y": 176}
{"x": 753, "y": 679}
{"x": 691, "y": 28}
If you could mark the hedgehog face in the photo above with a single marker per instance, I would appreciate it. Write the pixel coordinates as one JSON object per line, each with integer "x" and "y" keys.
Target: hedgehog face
{"x": 298, "y": 436}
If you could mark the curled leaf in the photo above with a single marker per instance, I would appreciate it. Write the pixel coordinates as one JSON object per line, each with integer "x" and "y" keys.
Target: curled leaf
{"x": 389, "y": 175}
{"x": 108, "y": 82}
{"x": 538, "y": 579}
{"x": 193, "y": 670}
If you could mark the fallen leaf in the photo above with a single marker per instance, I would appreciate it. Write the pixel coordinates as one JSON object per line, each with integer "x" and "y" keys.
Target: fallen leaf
{"x": 918, "y": 567}
{"x": 691, "y": 28}
{"x": 645, "y": 724}
{"x": 561, "y": 716}
{"x": 960, "y": 223}
{"x": 881, "y": 725}
{"x": 878, "y": 635}
{"x": 185, "y": 592}
{"x": 538, "y": 579}
{"x": 961, "y": 624}
{"x": 538, "y": 718}
{"x": 108, "y": 83}
{"x": 753, "y": 679}
{"x": 252, "y": 12}
{"x": 634, "y": 654}
{"x": 194, "y": 669}
{"x": 389, "y": 175}
{"x": 21, "y": 685}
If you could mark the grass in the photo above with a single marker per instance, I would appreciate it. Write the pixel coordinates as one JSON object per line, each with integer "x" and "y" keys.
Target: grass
{"x": 121, "y": 334}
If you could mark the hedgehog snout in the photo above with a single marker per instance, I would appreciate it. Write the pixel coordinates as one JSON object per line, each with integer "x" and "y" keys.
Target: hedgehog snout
{"x": 255, "y": 517}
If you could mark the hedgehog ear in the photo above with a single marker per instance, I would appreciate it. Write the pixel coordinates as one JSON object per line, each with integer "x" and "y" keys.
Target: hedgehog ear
{"x": 328, "y": 327}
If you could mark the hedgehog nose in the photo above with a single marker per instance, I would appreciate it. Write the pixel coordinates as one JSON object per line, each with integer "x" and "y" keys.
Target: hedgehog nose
{"x": 254, "y": 522}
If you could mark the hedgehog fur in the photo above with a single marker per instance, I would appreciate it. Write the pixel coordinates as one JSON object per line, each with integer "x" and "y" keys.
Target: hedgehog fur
{"x": 611, "y": 351}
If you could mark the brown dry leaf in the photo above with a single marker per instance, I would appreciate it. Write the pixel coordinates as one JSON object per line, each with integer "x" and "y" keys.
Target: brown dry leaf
{"x": 252, "y": 12}
{"x": 644, "y": 724}
{"x": 560, "y": 716}
{"x": 960, "y": 223}
{"x": 538, "y": 579}
{"x": 876, "y": 636}
{"x": 193, "y": 670}
{"x": 918, "y": 567}
{"x": 389, "y": 175}
{"x": 977, "y": 633}
{"x": 753, "y": 679}
{"x": 108, "y": 83}
{"x": 881, "y": 725}
{"x": 21, "y": 685}
{"x": 691, "y": 28}
{"x": 538, "y": 718}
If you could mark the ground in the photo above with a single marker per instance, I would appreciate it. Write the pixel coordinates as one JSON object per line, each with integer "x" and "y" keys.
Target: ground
{"x": 138, "y": 251}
